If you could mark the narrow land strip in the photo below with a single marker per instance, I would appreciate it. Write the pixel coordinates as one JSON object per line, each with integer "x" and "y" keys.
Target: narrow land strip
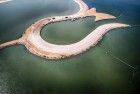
{"x": 36, "y": 45}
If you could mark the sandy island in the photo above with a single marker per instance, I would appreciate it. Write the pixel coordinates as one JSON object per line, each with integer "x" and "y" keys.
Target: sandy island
{"x": 36, "y": 45}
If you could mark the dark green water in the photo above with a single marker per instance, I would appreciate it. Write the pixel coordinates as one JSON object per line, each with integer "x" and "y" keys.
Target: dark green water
{"x": 92, "y": 72}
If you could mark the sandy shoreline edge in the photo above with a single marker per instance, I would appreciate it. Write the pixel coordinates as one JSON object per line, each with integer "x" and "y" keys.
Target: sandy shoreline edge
{"x": 36, "y": 45}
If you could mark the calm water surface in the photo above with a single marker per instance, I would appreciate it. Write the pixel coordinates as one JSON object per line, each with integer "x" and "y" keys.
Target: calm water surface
{"x": 105, "y": 69}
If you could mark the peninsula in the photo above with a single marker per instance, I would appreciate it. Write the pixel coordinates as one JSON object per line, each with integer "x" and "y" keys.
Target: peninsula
{"x": 36, "y": 45}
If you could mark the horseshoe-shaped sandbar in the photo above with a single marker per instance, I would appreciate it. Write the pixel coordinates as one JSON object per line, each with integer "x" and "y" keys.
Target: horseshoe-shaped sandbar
{"x": 36, "y": 45}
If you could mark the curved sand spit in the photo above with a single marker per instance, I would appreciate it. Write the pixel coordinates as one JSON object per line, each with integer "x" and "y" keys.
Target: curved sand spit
{"x": 36, "y": 45}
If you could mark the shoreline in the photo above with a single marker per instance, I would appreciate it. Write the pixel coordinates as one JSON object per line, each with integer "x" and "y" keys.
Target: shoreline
{"x": 4, "y": 1}
{"x": 36, "y": 45}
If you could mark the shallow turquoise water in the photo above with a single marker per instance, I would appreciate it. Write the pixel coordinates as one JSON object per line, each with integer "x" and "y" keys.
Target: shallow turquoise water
{"x": 94, "y": 71}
